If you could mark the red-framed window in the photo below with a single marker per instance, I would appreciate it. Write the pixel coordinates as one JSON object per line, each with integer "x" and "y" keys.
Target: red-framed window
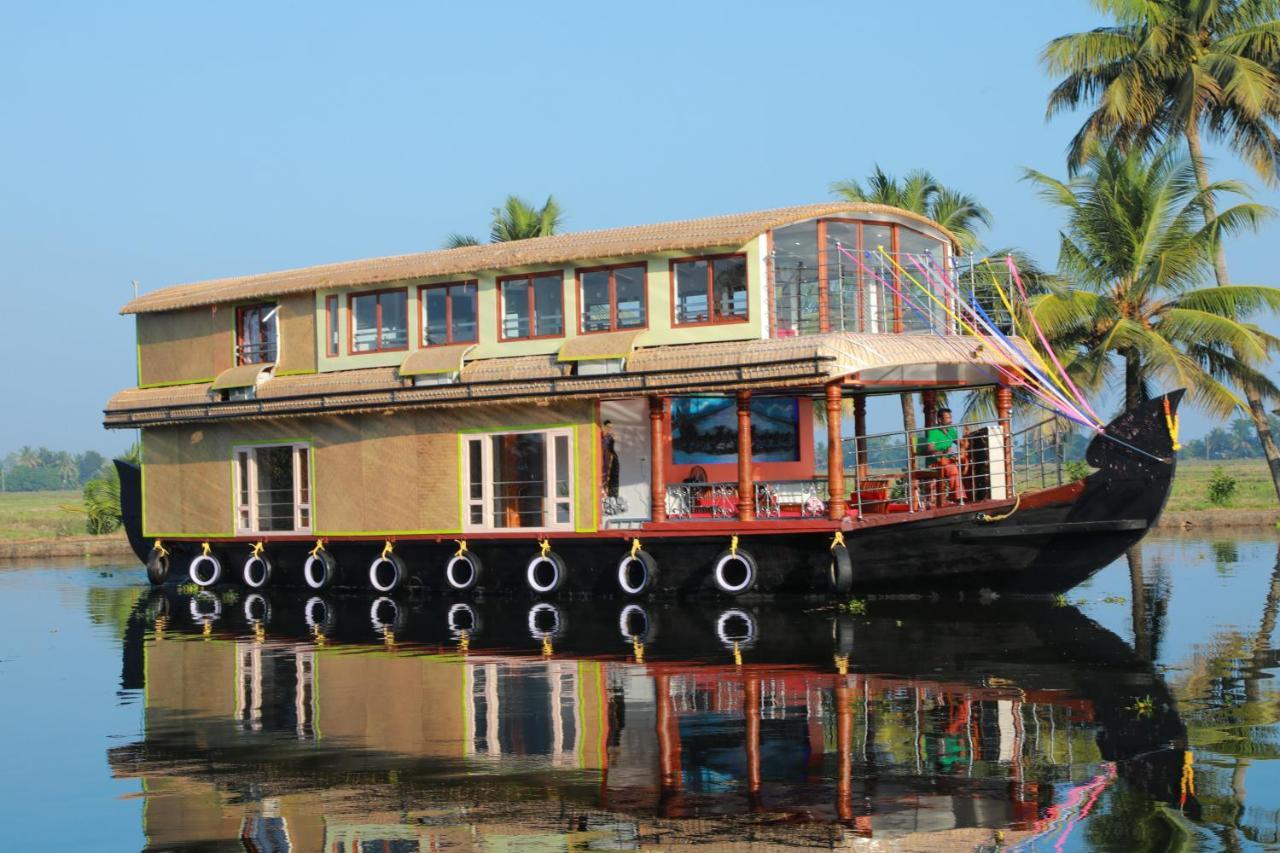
{"x": 710, "y": 289}
{"x": 332, "y": 340}
{"x": 449, "y": 313}
{"x": 378, "y": 321}
{"x": 613, "y": 298}
{"x": 256, "y": 333}
{"x": 531, "y": 306}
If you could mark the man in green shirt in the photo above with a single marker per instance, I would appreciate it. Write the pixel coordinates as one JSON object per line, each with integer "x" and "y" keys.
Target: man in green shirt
{"x": 941, "y": 446}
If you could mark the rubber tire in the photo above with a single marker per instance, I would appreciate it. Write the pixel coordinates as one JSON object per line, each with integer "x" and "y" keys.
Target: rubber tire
{"x": 722, "y": 623}
{"x": 726, "y": 557}
{"x": 840, "y": 572}
{"x": 650, "y": 567}
{"x": 394, "y": 560}
{"x": 324, "y": 625}
{"x": 650, "y": 624}
{"x": 562, "y": 571}
{"x": 266, "y": 571}
{"x": 477, "y": 625}
{"x": 477, "y": 570}
{"x": 398, "y": 620}
{"x": 330, "y": 566}
{"x": 265, "y": 619}
{"x": 157, "y": 567}
{"x": 561, "y": 623}
{"x": 213, "y": 579}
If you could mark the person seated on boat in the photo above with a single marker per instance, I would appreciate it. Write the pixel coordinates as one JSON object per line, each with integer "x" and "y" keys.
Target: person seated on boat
{"x": 942, "y": 448}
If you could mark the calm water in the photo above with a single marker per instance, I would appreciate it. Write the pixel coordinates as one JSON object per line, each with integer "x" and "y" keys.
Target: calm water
{"x": 135, "y": 720}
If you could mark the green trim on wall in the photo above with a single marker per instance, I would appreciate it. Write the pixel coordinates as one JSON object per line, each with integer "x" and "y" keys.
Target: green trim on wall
{"x": 294, "y": 372}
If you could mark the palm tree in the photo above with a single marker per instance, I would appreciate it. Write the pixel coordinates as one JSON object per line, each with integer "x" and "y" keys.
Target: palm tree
{"x": 920, "y": 192}
{"x": 1137, "y": 245}
{"x": 516, "y": 219}
{"x": 1183, "y": 69}
{"x": 68, "y": 470}
{"x": 28, "y": 457}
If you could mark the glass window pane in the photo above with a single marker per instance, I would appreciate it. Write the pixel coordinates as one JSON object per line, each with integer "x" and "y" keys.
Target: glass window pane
{"x": 549, "y": 302}
{"x": 629, "y": 285}
{"x": 463, "y": 297}
{"x": 691, "y": 292}
{"x": 729, "y": 288}
{"x": 274, "y": 488}
{"x": 562, "y": 466}
{"x": 475, "y": 478}
{"x": 242, "y": 472}
{"x": 435, "y": 316}
{"x": 878, "y": 277}
{"x": 515, "y": 308}
{"x": 595, "y": 301}
{"x": 304, "y": 476}
{"x": 843, "y": 262}
{"x": 364, "y": 323}
{"x": 331, "y": 308}
{"x": 395, "y": 317}
{"x": 519, "y": 479}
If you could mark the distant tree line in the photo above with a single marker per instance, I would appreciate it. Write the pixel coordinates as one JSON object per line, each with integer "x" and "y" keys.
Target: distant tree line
{"x": 38, "y": 469}
{"x": 1237, "y": 440}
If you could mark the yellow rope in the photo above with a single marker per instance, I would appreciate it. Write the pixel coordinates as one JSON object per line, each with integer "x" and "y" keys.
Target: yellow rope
{"x": 637, "y": 649}
{"x": 258, "y": 548}
{"x": 838, "y": 540}
{"x": 1188, "y": 782}
{"x": 208, "y": 629}
{"x": 733, "y": 545}
{"x": 545, "y": 545}
{"x": 547, "y": 651}
{"x": 842, "y": 664}
{"x": 635, "y": 547}
{"x": 259, "y": 633}
{"x": 320, "y": 637}
{"x": 205, "y": 549}
{"x": 464, "y": 642}
{"x": 387, "y": 549}
{"x": 160, "y": 549}
{"x": 991, "y": 518}
{"x": 462, "y": 547}
{"x": 389, "y": 637}
{"x": 162, "y": 622}
{"x": 1171, "y": 422}
{"x": 315, "y": 552}
{"x": 737, "y": 654}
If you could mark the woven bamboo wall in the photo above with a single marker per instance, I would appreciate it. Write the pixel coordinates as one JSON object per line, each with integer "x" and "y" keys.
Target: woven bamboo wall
{"x": 192, "y": 345}
{"x": 297, "y": 335}
{"x": 375, "y": 473}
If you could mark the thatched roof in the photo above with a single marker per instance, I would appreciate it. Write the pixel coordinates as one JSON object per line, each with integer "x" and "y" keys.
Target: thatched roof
{"x": 686, "y": 235}
{"x": 772, "y": 364}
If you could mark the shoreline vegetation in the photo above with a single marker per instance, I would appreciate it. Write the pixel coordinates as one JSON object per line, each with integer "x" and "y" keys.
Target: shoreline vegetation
{"x": 51, "y": 523}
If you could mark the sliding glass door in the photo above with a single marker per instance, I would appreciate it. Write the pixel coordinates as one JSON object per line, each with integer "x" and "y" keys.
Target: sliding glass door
{"x": 519, "y": 480}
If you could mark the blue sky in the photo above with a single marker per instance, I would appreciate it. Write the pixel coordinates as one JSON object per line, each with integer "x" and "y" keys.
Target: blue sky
{"x": 176, "y": 142}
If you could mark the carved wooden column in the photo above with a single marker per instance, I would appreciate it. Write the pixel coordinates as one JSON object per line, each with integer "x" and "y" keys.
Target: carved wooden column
{"x": 671, "y": 778}
{"x": 844, "y": 749}
{"x": 835, "y": 455}
{"x": 751, "y": 710}
{"x": 657, "y": 466}
{"x": 860, "y": 431}
{"x": 1004, "y": 411}
{"x": 746, "y": 489}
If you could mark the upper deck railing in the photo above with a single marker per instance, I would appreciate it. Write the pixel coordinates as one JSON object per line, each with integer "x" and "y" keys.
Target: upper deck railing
{"x": 881, "y": 292}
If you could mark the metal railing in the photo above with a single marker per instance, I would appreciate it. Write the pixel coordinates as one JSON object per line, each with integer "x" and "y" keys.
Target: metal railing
{"x": 702, "y": 501}
{"x": 791, "y": 499}
{"x": 256, "y": 353}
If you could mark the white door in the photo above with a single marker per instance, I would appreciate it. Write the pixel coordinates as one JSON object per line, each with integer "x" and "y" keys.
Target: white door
{"x": 631, "y": 427}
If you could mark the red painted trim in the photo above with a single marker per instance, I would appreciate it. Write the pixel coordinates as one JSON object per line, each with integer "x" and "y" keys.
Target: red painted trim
{"x": 351, "y": 321}
{"x": 613, "y": 297}
{"x": 533, "y": 306}
{"x": 448, "y": 298}
{"x": 711, "y": 320}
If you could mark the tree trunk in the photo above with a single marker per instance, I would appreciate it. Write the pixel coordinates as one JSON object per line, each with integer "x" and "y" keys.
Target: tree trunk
{"x": 1138, "y": 596}
{"x": 909, "y": 414}
{"x": 1257, "y": 411}
{"x": 1132, "y": 380}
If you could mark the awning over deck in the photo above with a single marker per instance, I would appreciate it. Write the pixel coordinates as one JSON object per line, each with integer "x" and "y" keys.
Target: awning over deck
{"x": 869, "y": 360}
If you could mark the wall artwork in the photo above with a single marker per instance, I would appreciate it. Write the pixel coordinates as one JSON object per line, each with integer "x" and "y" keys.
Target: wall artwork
{"x": 704, "y": 430}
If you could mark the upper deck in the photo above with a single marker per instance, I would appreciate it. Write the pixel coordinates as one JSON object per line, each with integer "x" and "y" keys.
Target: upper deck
{"x": 787, "y": 273}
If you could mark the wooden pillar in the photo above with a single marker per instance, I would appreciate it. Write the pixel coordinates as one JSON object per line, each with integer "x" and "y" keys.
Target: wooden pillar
{"x": 1004, "y": 411}
{"x": 751, "y": 709}
{"x": 671, "y": 779}
{"x": 929, "y": 399}
{"x": 844, "y": 750}
{"x": 746, "y": 488}
{"x": 860, "y": 431}
{"x": 657, "y": 465}
{"x": 835, "y": 454}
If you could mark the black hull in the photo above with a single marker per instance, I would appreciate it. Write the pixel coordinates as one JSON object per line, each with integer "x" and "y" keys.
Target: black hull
{"x": 1048, "y": 542}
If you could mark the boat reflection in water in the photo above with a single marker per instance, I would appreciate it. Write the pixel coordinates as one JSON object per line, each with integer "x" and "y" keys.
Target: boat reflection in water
{"x": 294, "y": 723}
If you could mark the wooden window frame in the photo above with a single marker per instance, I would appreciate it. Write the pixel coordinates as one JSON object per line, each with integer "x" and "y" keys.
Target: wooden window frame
{"x": 533, "y": 306}
{"x": 711, "y": 320}
{"x": 613, "y": 297}
{"x": 300, "y": 469}
{"x": 351, "y": 321}
{"x": 241, "y": 310}
{"x": 332, "y": 331}
{"x": 422, "y": 312}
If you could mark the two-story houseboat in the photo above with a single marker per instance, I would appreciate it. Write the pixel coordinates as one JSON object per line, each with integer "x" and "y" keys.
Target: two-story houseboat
{"x": 658, "y": 407}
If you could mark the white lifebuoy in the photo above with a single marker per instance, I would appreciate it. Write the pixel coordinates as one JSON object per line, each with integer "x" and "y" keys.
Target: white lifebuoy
{"x": 202, "y": 563}
{"x": 463, "y": 571}
{"x": 257, "y": 609}
{"x": 380, "y": 567}
{"x": 736, "y": 627}
{"x": 546, "y": 572}
{"x": 735, "y": 572}
{"x": 320, "y": 570}
{"x": 637, "y": 573}
{"x": 256, "y": 571}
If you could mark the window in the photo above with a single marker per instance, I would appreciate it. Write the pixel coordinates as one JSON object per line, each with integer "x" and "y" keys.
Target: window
{"x": 256, "y": 333}
{"x": 273, "y": 488}
{"x": 379, "y": 321}
{"x": 520, "y": 479}
{"x": 612, "y": 298}
{"x": 532, "y": 306}
{"x": 331, "y": 326}
{"x": 710, "y": 290}
{"x": 448, "y": 313}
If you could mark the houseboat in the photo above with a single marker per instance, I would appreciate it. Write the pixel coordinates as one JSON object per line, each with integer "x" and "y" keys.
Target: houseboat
{"x": 676, "y": 408}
